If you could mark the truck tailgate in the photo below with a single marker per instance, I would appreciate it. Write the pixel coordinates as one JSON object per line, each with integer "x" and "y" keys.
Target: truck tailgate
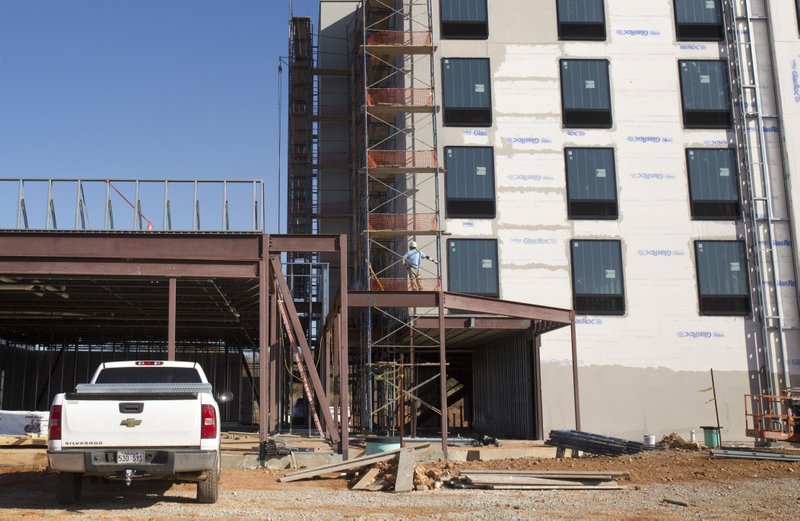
{"x": 108, "y": 420}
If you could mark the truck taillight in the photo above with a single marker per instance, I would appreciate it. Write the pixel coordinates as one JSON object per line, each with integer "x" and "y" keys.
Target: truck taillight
{"x": 54, "y": 431}
{"x": 208, "y": 427}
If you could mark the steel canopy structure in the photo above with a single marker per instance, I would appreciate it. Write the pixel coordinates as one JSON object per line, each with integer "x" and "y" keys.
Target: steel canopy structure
{"x": 167, "y": 287}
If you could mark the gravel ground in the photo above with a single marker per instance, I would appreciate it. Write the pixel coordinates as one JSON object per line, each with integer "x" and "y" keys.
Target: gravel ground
{"x": 732, "y": 493}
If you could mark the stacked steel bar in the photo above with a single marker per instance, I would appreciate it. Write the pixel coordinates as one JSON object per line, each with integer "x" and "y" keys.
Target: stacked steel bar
{"x": 593, "y": 443}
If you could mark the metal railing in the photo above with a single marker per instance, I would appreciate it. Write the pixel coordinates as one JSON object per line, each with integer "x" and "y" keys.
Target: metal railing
{"x": 132, "y": 204}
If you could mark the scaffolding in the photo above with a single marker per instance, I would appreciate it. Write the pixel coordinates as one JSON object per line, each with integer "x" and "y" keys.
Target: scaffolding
{"x": 302, "y": 195}
{"x": 395, "y": 150}
{"x": 766, "y": 212}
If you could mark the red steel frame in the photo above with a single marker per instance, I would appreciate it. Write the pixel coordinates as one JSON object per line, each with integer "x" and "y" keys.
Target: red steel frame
{"x": 257, "y": 256}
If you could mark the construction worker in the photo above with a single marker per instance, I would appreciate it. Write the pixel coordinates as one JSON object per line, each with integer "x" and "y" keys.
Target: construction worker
{"x": 412, "y": 260}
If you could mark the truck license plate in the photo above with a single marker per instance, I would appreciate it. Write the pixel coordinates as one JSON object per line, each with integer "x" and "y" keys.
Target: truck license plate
{"x": 130, "y": 456}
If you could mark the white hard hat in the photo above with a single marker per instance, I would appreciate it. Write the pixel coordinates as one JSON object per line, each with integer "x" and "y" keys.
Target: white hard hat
{"x": 412, "y": 244}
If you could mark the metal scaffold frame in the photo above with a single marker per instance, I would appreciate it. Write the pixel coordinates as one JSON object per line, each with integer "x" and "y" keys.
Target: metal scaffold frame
{"x": 396, "y": 143}
{"x": 743, "y": 26}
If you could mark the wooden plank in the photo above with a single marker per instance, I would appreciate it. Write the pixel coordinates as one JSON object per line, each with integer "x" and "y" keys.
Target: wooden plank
{"x": 377, "y": 485}
{"x": 367, "y": 479}
{"x": 404, "y": 481}
{"x": 27, "y": 440}
{"x": 363, "y": 461}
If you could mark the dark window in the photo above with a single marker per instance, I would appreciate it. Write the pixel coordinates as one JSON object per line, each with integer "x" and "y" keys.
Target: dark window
{"x": 591, "y": 183}
{"x": 699, "y": 20}
{"x": 581, "y": 20}
{"x": 705, "y": 94}
{"x": 597, "y": 285}
{"x": 469, "y": 181}
{"x": 585, "y": 94}
{"x": 464, "y": 19}
{"x": 467, "y": 92}
{"x": 472, "y": 266}
{"x": 713, "y": 183}
{"x": 148, "y": 375}
{"x": 722, "y": 278}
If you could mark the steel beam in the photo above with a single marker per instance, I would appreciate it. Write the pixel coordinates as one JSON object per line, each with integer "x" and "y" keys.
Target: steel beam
{"x": 92, "y": 268}
{"x": 473, "y": 323}
{"x": 389, "y": 299}
{"x": 493, "y": 306}
{"x": 123, "y": 246}
{"x": 304, "y": 243}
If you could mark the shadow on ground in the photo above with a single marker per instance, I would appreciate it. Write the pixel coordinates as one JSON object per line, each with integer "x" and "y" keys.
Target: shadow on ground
{"x": 36, "y": 490}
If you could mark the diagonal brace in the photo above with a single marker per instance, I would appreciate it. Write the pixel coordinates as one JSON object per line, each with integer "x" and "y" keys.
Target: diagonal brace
{"x": 302, "y": 342}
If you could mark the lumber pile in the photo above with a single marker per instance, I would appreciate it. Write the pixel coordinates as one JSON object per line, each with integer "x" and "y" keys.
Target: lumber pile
{"x": 593, "y": 443}
{"x": 390, "y": 470}
{"x": 537, "y": 480}
{"x": 25, "y": 440}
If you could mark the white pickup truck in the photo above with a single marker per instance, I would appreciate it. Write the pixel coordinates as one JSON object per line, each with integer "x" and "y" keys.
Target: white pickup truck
{"x": 138, "y": 420}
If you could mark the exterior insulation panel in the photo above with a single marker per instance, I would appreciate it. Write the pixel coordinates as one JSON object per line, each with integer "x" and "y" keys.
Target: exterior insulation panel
{"x": 641, "y": 371}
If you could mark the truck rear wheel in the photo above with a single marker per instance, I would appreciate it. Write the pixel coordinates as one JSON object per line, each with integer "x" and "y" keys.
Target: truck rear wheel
{"x": 208, "y": 490}
{"x": 69, "y": 487}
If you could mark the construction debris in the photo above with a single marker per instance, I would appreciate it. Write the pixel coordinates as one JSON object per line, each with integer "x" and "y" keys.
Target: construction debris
{"x": 404, "y": 480}
{"x": 674, "y": 440}
{"x": 741, "y": 454}
{"x": 522, "y": 480}
{"x": 593, "y": 443}
{"x": 352, "y": 464}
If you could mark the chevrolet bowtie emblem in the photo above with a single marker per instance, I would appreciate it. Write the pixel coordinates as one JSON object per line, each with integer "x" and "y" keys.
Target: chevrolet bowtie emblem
{"x": 130, "y": 422}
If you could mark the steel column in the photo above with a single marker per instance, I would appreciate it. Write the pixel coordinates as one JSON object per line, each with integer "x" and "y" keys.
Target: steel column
{"x": 344, "y": 368}
{"x": 575, "y": 390}
{"x": 264, "y": 384}
{"x": 173, "y": 304}
{"x": 274, "y": 355}
{"x": 537, "y": 386}
{"x": 413, "y": 380}
{"x": 442, "y": 374}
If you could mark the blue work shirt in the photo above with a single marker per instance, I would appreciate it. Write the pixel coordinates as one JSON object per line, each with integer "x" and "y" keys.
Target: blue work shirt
{"x": 414, "y": 257}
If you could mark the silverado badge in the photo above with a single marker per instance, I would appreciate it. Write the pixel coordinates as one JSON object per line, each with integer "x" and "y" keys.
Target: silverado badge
{"x": 130, "y": 422}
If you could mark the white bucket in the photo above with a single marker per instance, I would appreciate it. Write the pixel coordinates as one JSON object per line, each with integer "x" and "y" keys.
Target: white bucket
{"x": 650, "y": 440}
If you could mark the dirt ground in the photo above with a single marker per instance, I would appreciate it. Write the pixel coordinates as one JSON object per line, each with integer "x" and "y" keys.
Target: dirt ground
{"x": 705, "y": 488}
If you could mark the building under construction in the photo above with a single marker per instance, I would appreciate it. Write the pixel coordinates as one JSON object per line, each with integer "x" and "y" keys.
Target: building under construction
{"x": 628, "y": 160}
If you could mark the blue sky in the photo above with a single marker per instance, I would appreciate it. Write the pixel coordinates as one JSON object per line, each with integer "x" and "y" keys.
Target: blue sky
{"x": 143, "y": 89}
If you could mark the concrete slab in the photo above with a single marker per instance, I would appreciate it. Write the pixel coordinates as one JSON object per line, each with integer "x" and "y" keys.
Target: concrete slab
{"x": 239, "y": 460}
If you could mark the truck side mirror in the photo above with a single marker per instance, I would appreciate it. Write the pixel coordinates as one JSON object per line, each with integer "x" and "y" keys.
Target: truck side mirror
{"x": 224, "y": 396}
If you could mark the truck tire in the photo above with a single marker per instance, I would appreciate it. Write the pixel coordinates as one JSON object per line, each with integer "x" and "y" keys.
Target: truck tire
{"x": 208, "y": 490}
{"x": 69, "y": 487}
